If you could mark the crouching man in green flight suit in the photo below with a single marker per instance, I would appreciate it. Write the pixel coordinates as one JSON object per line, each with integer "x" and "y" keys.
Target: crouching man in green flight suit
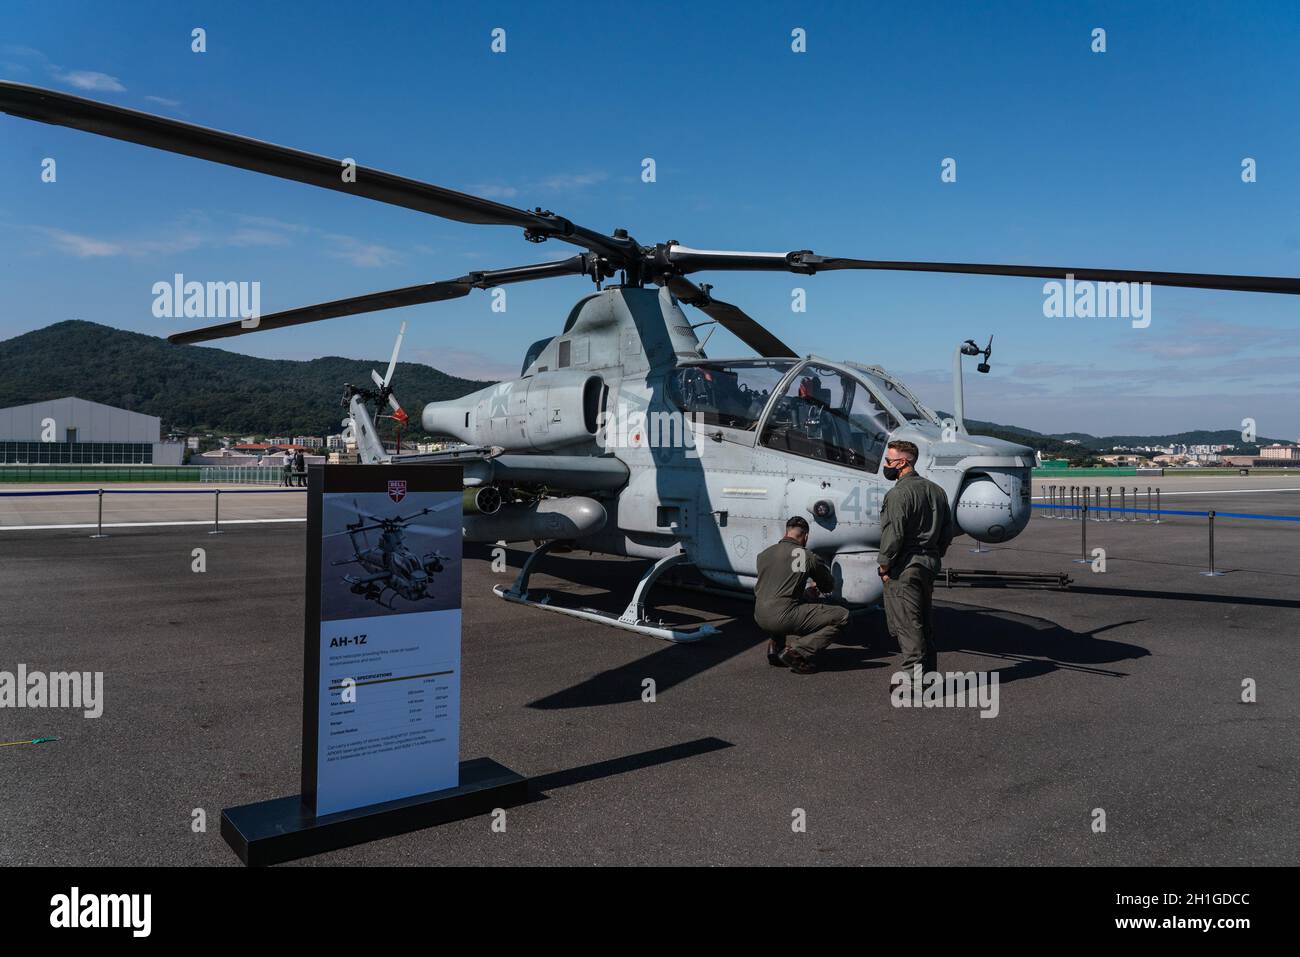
{"x": 782, "y": 607}
{"x": 916, "y": 528}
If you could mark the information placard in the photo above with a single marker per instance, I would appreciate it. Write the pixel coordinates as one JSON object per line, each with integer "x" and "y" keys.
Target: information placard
{"x": 381, "y": 695}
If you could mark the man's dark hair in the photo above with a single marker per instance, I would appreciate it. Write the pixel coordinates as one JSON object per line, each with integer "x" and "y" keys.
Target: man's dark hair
{"x": 798, "y": 522}
{"x": 907, "y": 448}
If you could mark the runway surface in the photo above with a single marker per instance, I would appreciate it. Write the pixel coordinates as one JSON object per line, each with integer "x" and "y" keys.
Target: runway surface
{"x": 1122, "y": 694}
{"x": 131, "y": 505}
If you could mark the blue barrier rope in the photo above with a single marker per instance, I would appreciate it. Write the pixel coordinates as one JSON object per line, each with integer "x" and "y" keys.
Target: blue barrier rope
{"x": 1171, "y": 511}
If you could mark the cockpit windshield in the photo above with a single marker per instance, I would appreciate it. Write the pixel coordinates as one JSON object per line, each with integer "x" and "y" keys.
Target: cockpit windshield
{"x": 897, "y": 396}
{"x": 729, "y": 394}
{"x": 828, "y": 415}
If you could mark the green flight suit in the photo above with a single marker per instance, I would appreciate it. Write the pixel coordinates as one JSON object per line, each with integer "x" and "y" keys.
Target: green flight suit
{"x": 916, "y": 528}
{"x": 779, "y": 608}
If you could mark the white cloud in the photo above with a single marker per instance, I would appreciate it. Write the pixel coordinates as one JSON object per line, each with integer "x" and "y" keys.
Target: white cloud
{"x": 359, "y": 253}
{"x": 270, "y": 223}
{"x": 92, "y": 247}
{"x": 162, "y": 100}
{"x": 569, "y": 181}
{"x": 91, "y": 80}
{"x": 258, "y": 237}
{"x": 556, "y": 183}
{"x": 83, "y": 247}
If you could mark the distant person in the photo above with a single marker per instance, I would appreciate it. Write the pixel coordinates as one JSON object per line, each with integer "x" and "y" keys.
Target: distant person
{"x": 916, "y": 528}
{"x": 287, "y": 470}
{"x": 300, "y": 468}
{"x": 784, "y": 609}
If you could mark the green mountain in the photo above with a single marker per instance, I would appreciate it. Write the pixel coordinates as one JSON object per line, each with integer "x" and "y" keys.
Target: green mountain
{"x": 1056, "y": 445}
{"x": 194, "y": 388}
{"x": 201, "y": 389}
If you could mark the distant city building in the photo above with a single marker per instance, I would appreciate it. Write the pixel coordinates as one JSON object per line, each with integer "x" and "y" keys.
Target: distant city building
{"x": 334, "y": 443}
{"x": 1278, "y": 454}
{"x": 308, "y": 441}
{"x": 76, "y": 431}
{"x": 223, "y": 457}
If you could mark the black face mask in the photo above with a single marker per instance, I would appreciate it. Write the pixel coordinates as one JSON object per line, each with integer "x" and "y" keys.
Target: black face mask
{"x": 890, "y": 473}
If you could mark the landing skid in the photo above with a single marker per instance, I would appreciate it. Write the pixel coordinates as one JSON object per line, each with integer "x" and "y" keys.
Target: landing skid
{"x": 633, "y": 617}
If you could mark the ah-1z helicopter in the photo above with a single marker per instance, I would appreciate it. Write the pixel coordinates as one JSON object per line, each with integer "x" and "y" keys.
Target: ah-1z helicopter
{"x": 390, "y": 564}
{"x": 754, "y": 440}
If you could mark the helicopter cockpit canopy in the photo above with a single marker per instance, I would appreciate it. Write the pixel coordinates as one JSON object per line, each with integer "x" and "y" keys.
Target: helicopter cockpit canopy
{"x": 843, "y": 416}
{"x": 731, "y": 393}
{"x": 896, "y": 394}
{"x": 827, "y": 414}
{"x": 405, "y": 564}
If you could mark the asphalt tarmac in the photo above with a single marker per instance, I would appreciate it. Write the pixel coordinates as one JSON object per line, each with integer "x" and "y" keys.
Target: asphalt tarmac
{"x": 1122, "y": 694}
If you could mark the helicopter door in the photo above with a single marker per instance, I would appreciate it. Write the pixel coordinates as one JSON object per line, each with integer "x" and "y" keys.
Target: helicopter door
{"x": 538, "y": 413}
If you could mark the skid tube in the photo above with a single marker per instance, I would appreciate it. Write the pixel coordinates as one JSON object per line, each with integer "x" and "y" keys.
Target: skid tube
{"x": 634, "y": 617}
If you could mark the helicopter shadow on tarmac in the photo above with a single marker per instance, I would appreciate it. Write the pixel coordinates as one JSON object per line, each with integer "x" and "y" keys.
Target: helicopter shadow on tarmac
{"x": 1031, "y": 646}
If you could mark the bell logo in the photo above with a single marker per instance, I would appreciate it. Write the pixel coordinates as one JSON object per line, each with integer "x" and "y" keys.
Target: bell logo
{"x": 397, "y": 489}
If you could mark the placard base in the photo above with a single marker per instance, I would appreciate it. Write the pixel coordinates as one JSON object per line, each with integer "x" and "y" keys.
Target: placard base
{"x": 271, "y": 832}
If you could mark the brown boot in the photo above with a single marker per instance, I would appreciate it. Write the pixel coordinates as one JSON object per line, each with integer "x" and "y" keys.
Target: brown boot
{"x": 774, "y": 648}
{"x": 798, "y": 662}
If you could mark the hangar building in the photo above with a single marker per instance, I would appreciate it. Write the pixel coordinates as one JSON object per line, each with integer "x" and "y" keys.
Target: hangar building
{"x": 78, "y": 432}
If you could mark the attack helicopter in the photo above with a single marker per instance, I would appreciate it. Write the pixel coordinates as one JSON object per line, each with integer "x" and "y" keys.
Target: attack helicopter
{"x": 390, "y": 564}
{"x": 621, "y": 435}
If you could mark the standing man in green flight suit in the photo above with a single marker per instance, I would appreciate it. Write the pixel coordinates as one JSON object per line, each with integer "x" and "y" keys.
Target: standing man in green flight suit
{"x": 916, "y": 528}
{"x": 783, "y": 608}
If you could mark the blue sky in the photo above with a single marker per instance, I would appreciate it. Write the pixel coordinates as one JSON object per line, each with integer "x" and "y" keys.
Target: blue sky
{"x": 1127, "y": 159}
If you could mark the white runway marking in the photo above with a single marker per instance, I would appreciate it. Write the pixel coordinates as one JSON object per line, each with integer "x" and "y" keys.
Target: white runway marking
{"x": 226, "y": 521}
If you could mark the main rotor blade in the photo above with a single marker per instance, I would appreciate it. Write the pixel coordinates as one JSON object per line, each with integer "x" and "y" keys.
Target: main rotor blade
{"x": 388, "y": 299}
{"x": 688, "y": 260}
{"x": 732, "y": 318}
{"x": 164, "y": 133}
{"x": 374, "y": 302}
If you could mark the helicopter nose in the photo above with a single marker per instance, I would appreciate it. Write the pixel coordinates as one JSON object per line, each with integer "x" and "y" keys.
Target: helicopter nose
{"x": 987, "y": 480}
{"x": 993, "y": 505}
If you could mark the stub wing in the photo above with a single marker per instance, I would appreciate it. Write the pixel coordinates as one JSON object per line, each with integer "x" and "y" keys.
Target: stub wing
{"x": 485, "y": 465}
{"x": 366, "y": 579}
{"x": 465, "y": 453}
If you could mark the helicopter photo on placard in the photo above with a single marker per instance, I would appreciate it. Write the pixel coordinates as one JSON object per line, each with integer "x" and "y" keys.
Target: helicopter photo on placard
{"x": 390, "y": 553}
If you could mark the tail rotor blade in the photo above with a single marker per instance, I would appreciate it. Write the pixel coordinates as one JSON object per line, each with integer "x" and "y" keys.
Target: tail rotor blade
{"x": 392, "y": 363}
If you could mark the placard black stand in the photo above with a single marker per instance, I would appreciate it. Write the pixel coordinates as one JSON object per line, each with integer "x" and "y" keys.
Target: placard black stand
{"x": 271, "y": 832}
{"x": 287, "y": 828}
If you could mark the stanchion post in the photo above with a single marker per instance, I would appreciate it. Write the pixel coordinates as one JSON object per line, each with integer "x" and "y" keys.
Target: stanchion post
{"x": 1083, "y": 534}
{"x": 99, "y": 523}
{"x": 1110, "y": 515}
{"x": 1157, "y": 504}
{"x": 1121, "y": 504}
{"x": 216, "y": 514}
{"x": 1211, "y": 573}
